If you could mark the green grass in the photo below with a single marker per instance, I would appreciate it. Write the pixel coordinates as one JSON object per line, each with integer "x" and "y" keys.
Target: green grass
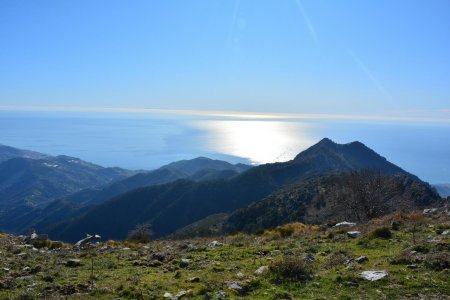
{"x": 128, "y": 274}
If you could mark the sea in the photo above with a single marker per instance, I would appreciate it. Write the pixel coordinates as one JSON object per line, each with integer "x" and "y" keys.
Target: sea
{"x": 145, "y": 141}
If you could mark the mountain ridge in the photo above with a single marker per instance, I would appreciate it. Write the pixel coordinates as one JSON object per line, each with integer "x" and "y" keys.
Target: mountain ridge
{"x": 171, "y": 206}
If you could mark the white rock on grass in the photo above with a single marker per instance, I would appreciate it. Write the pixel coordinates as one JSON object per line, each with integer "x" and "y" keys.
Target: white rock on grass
{"x": 354, "y": 234}
{"x": 430, "y": 211}
{"x": 373, "y": 275}
{"x": 344, "y": 224}
{"x": 215, "y": 244}
{"x": 168, "y": 295}
{"x": 234, "y": 285}
{"x": 261, "y": 270}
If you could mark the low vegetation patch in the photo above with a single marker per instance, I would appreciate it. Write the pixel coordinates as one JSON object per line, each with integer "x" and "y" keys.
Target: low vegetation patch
{"x": 381, "y": 233}
{"x": 291, "y": 268}
{"x": 300, "y": 263}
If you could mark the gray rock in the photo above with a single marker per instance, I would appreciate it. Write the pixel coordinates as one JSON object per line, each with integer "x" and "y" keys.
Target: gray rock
{"x": 261, "y": 270}
{"x": 221, "y": 294}
{"x": 194, "y": 279}
{"x": 344, "y": 224}
{"x": 361, "y": 259}
{"x": 88, "y": 239}
{"x": 240, "y": 275}
{"x": 430, "y": 211}
{"x": 181, "y": 294}
{"x": 353, "y": 234}
{"x": 73, "y": 263}
{"x": 309, "y": 258}
{"x": 234, "y": 285}
{"x": 373, "y": 275}
{"x": 184, "y": 263}
{"x": 412, "y": 266}
{"x": 215, "y": 244}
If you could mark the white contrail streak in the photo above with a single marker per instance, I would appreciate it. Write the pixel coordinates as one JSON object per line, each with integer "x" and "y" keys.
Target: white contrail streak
{"x": 237, "y": 3}
{"x": 369, "y": 74}
{"x": 311, "y": 29}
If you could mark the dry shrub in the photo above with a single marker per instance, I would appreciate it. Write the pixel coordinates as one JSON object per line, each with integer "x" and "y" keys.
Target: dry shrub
{"x": 438, "y": 261}
{"x": 381, "y": 233}
{"x": 291, "y": 268}
{"x": 240, "y": 239}
{"x": 140, "y": 234}
{"x": 113, "y": 243}
{"x": 287, "y": 230}
{"x": 336, "y": 259}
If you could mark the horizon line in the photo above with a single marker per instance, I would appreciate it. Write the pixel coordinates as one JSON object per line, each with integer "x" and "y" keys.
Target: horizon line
{"x": 240, "y": 114}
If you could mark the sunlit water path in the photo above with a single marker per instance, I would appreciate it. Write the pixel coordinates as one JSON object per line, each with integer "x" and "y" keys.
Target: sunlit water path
{"x": 147, "y": 141}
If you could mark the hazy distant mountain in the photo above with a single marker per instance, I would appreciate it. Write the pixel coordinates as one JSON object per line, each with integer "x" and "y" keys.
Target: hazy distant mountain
{"x": 193, "y": 166}
{"x": 174, "y": 205}
{"x": 29, "y": 183}
{"x": 37, "y": 181}
{"x": 197, "y": 169}
{"x": 443, "y": 189}
{"x": 21, "y": 218}
{"x": 351, "y": 196}
{"x": 7, "y": 153}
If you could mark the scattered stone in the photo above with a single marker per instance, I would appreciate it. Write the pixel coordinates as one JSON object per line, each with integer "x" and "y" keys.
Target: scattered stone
{"x": 240, "y": 275}
{"x": 354, "y": 234}
{"x": 434, "y": 240}
{"x": 430, "y": 211}
{"x": 234, "y": 286}
{"x": 263, "y": 252}
{"x": 154, "y": 263}
{"x": 349, "y": 261}
{"x": 344, "y": 224}
{"x": 361, "y": 259}
{"x": 412, "y": 266}
{"x": 215, "y": 244}
{"x": 181, "y": 294}
{"x": 125, "y": 249}
{"x": 88, "y": 239}
{"x": 373, "y": 275}
{"x": 309, "y": 258}
{"x": 194, "y": 279}
{"x": 261, "y": 270}
{"x": 73, "y": 263}
{"x": 168, "y": 295}
{"x": 184, "y": 263}
{"x": 221, "y": 294}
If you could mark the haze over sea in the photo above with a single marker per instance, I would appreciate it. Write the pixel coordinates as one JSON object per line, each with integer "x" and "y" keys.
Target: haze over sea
{"x": 151, "y": 139}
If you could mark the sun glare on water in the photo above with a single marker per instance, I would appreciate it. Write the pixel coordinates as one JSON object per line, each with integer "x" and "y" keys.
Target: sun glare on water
{"x": 258, "y": 141}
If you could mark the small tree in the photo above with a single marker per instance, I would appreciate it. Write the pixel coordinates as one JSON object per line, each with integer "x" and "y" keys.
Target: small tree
{"x": 141, "y": 233}
{"x": 415, "y": 219}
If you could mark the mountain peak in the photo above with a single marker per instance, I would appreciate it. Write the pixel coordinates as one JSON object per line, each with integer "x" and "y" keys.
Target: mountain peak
{"x": 325, "y": 142}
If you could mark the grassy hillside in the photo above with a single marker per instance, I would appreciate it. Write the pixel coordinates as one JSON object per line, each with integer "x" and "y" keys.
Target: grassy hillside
{"x": 302, "y": 262}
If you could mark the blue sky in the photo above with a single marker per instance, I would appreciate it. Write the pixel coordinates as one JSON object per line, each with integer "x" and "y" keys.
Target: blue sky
{"x": 295, "y": 56}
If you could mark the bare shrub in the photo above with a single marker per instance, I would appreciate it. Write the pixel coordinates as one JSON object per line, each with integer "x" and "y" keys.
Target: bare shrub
{"x": 141, "y": 233}
{"x": 291, "y": 268}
